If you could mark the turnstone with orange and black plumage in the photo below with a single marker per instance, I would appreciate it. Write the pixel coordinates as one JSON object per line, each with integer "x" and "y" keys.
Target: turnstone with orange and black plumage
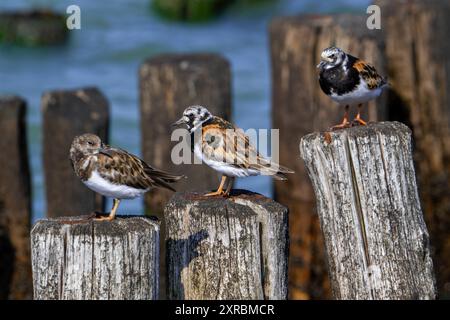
{"x": 114, "y": 172}
{"x": 226, "y": 149}
{"x": 348, "y": 81}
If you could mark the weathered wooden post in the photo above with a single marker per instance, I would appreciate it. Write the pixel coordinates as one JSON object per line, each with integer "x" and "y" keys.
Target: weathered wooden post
{"x": 15, "y": 201}
{"x": 300, "y": 107}
{"x": 65, "y": 115}
{"x": 77, "y": 259}
{"x": 417, "y": 45}
{"x": 375, "y": 236}
{"x": 168, "y": 84}
{"x": 226, "y": 248}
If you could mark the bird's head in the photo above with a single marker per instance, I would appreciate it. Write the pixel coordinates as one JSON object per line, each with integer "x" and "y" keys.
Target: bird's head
{"x": 193, "y": 117}
{"x": 331, "y": 57}
{"x": 86, "y": 144}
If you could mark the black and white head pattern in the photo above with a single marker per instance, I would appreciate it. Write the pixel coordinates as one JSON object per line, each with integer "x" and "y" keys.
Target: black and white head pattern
{"x": 195, "y": 116}
{"x": 332, "y": 57}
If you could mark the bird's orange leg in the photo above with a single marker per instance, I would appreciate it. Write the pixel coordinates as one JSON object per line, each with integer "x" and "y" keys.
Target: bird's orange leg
{"x": 358, "y": 117}
{"x": 345, "y": 123}
{"x": 219, "y": 190}
{"x": 112, "y": 214}
{"x": 229, "y": 186}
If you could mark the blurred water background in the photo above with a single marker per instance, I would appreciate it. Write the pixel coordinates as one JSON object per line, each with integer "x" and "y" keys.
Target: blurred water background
{"x": 116, "y": 36}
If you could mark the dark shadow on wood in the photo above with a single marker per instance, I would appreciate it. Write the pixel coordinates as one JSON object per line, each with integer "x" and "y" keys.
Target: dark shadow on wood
{"x": 182, "y": 247}
{"x": 7, "y": 255}
{"x": 399, "y": 109}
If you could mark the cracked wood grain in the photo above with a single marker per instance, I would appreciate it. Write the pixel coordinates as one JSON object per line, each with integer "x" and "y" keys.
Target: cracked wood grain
{"x": 95, "y": 260}
{"x": 417, "y": 36}
{"x": 376, "y": 239}
{"x": 226, "y": 248}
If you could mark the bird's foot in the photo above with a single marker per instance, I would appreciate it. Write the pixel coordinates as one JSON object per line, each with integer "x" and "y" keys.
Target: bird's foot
{"x": 226, "y": 194}
{"x": 103, "y": 218}
{"x": 343, "y": 125}
{"x": 215, "y": 193}
{"x": 359, "y": 122}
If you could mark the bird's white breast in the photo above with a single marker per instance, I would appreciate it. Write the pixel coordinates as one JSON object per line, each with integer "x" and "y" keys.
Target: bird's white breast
{"x": 361, "y": 94}
{"x": 223, "y": 167}
{"x": 108, "y": 189}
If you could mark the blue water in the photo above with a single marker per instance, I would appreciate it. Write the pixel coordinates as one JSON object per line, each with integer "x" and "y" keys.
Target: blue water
{"x": 116, "y": 36}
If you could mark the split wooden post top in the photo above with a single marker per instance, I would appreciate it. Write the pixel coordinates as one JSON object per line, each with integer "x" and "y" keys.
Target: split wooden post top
{"x": 75, "y": 258}
{"x": 375, "y": 236}
{"x": 226, "y": 248}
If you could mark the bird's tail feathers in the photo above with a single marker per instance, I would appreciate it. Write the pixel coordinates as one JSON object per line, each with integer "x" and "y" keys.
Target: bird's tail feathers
{"x": 163, "y": 178}
{"x": 162, "y": 183}
{"x": 281, "y": 174}
{"x": 277, "y": 172}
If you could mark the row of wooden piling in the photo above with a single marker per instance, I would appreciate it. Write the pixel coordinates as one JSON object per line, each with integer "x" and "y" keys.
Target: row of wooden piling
{"x": 169, "y": 83}
{"x": 217, "y": 248}
{"x": 376, "y": 240}
{"x": 409, "y": 49}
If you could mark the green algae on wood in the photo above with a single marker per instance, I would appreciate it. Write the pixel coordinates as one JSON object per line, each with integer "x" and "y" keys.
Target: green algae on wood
{"x": 32, "y": 28}
{"x": 190, "y": 10}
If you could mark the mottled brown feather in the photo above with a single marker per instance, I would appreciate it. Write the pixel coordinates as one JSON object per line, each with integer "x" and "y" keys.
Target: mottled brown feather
{"x": 81, "y": 164}
{"x": 221, "y": 141}
{"x": 120, "y": 167}
{"x": 369, "y": 74}
{"x": 88, "y": 154}
{"x": 129, "y": 170}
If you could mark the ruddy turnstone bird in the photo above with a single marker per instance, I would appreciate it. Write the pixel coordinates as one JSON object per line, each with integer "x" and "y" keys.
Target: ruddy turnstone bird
{"x": 114, "y": 173}
{"x": 226, "y": 149}
{"x": 348, "y": 81}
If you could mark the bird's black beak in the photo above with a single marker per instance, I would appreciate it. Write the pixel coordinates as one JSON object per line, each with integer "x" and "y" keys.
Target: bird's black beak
{"x": 179, "y": 122}
{"x": 104, "y": 150}
{"x": 321, "y": 64}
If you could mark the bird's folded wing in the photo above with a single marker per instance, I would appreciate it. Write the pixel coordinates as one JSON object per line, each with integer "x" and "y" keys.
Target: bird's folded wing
{"x": 369, "y": 74}
{"x": 133, "y": 171}
{"x": 123, "y": 168}
{"x": 232, "y": 147}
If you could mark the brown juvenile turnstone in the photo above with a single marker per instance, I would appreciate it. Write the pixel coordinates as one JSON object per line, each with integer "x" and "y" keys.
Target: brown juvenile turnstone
{"x": 348, "y": 81}
{"x": 114, "y": 173}
{"x": 226, "y": 149}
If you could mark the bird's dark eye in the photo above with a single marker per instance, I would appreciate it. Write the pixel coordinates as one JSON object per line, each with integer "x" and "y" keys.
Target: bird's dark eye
{"x": 333, "y": 56}
{"x": 90, "y": 143}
